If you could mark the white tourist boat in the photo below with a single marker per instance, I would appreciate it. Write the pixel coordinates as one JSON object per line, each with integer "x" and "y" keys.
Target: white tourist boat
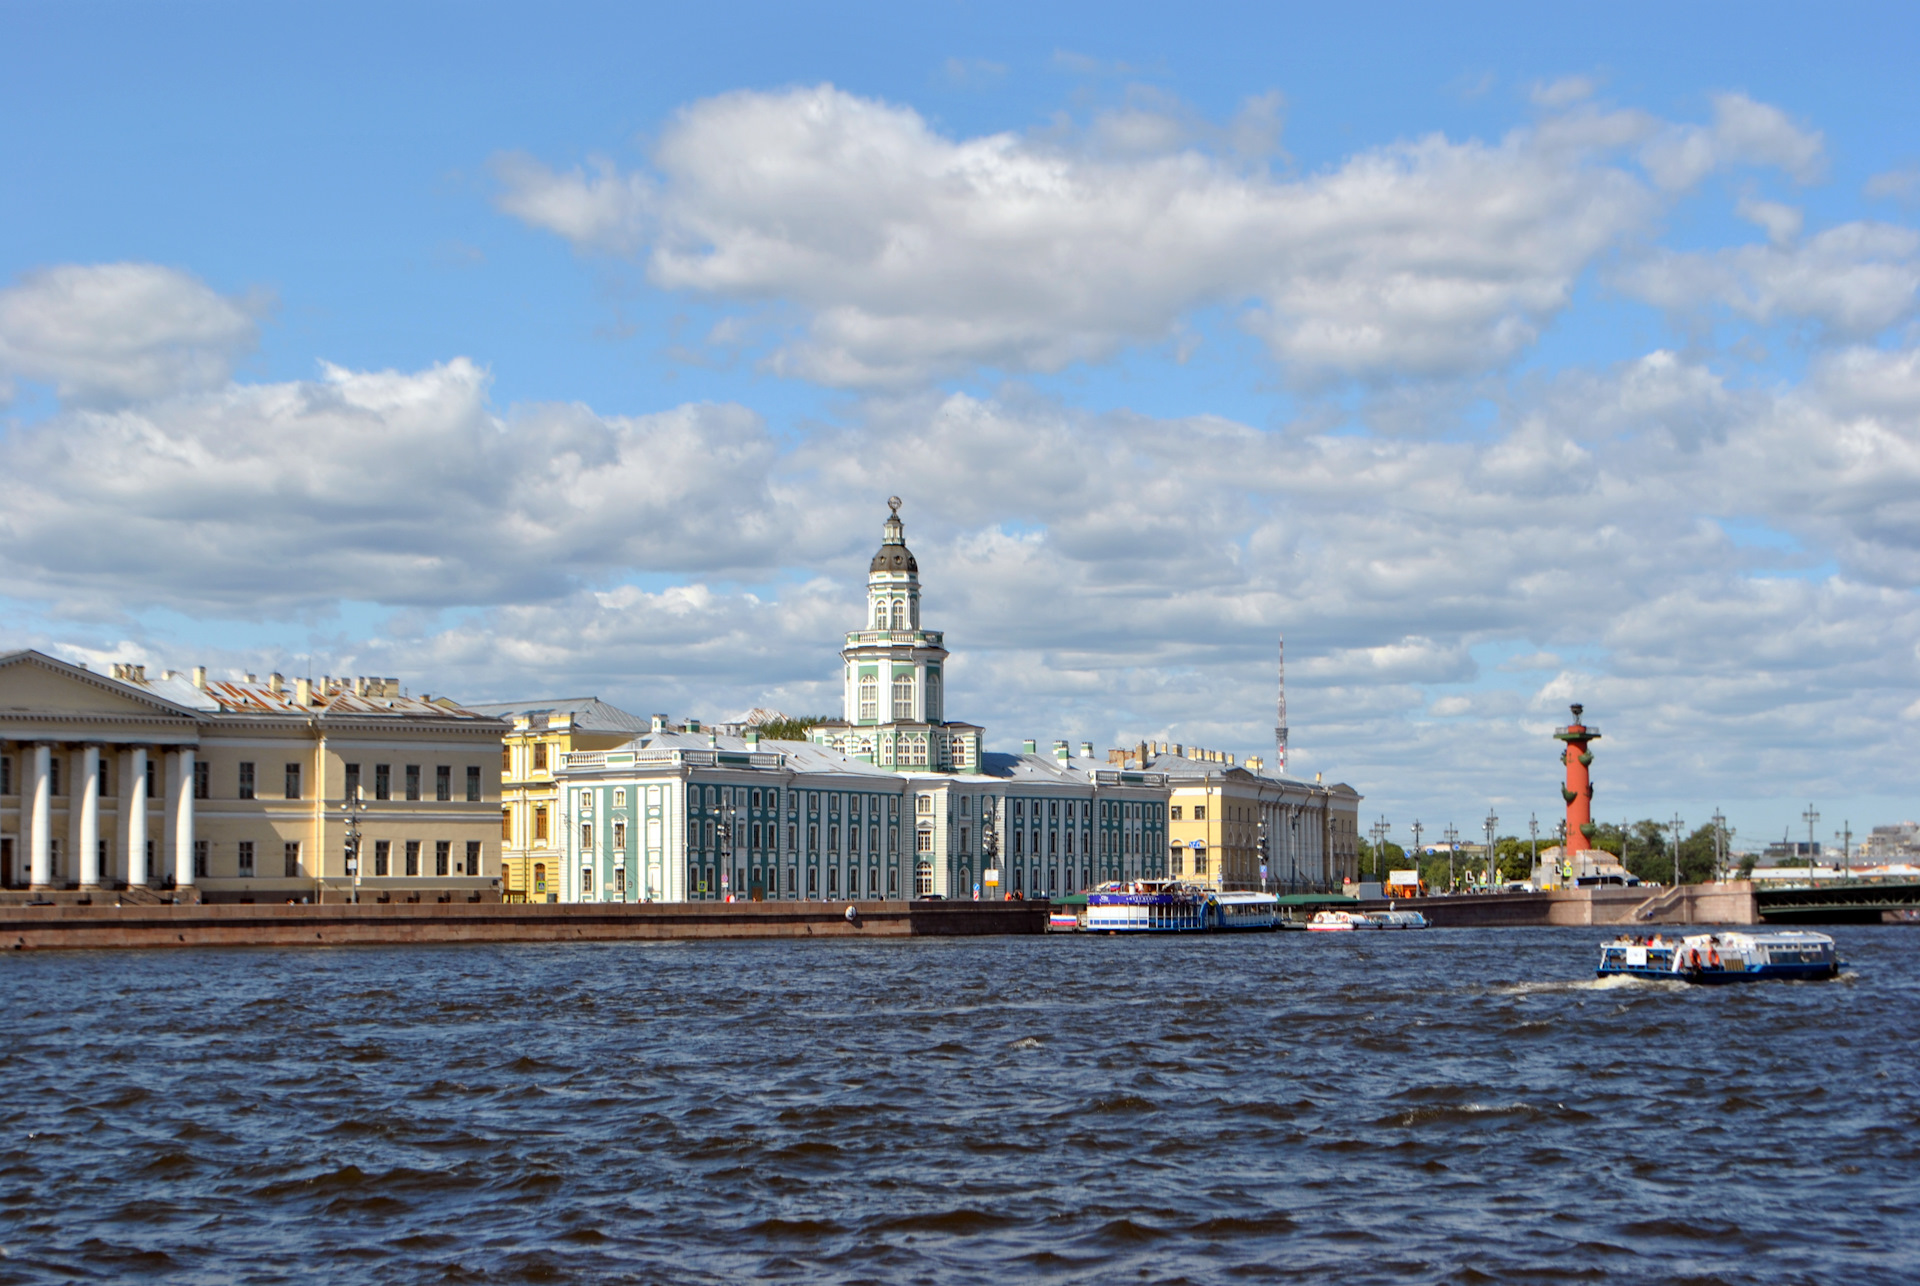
{"x": 1150, "y": 906}
{"x": 1240, "y": 911}
{"x": 1726, "y": 956}
{"x": 1348, "y": 921}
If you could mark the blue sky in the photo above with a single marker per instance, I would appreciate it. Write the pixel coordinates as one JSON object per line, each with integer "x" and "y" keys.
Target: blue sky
{"x": 1497, "y": 357}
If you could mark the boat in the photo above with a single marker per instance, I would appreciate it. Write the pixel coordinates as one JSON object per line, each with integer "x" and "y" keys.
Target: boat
{"x": 1347, "y": 921}
{"x": 1239, "y": 911}
{"x": 1728, "y": 956}
{"x": 1150, "y": 906}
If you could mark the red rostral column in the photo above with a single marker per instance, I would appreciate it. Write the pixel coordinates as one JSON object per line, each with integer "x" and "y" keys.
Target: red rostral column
{"x": 1578, "y": 792}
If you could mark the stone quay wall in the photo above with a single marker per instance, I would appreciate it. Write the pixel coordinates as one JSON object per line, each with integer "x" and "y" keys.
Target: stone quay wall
{"x": 1730, "y": 903}
{"x": 331, "y": 924}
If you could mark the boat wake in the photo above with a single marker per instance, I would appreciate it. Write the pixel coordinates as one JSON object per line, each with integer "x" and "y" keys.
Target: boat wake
{"x": 1614, "y": 982}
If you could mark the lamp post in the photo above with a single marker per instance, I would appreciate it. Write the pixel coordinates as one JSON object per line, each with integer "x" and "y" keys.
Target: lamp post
{"x": 989, "y": 850}
{"x": 1676, "y": 824}
{"x": 1813, "y": 868}
{"x": 355, "y": 805}
{"x": 723, "y": 842}
{"x": 1453, "y": 844}
{"x": 1533, "y": 842}
{"x": 1263, "y": 852}
{"x": 1719, "y": 846}
{"x": 1491, "y": 822}
{"x": 1418, "y": 853}
{"x": 1845, "y": 836}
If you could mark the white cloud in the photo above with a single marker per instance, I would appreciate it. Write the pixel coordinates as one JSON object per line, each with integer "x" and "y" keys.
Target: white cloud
{"x": 1743, "y": 133}
{"x": 394, "y": 487}
{"x": 1854, "y": 280}
{"x": 1563, "y": 92}
{"x": 103, "y": 334}
{"x": 914, "y": 254}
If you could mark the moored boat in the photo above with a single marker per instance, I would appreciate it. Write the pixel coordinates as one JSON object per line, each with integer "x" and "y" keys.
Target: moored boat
{"x": 1248, "y": 911}
{"x": 1150, "y": 906}
{"x": 1727, "y": 956}
{"x": 1339, "y": 922}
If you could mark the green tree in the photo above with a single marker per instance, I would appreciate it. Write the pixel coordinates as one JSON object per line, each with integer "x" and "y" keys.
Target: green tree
{"x": 792, "y": 728}
{"x": 1374, "y": 864}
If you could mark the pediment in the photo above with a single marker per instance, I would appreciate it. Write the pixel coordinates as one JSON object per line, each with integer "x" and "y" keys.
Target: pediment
{"x": 35, "y": 683}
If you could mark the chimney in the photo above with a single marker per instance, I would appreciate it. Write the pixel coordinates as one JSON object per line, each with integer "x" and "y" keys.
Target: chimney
{"x": 168, "y": 674}
{"x": 1229, "y": 761}
{"x": 302, "y": 692}
{"x": 391, "y": 688}
{"x": 1060, "y": 752}
{"x": 753, "y": 738}
{"x": 252, "y": 677}
{"x": 1141, "y": 754}
{"x": 200, "y": 677}
{"x": 693, "y": 725}
{"x": 138, "y": 673}
{"x": 1316, "y": 779}
{"x": 118, "y": 671}
{"x": 713, "y": 740}
{"x": 1116, "y": 756}
{"x": 659, "y": 723}
{"x": 359, "y": 686}
{"x": 1179, "y": 751}
{"x": 276, "y": 682}
{"x": 1255, "y": 763}
{"x": 1033, "y": 747}
{"x": 1086, "y": 750}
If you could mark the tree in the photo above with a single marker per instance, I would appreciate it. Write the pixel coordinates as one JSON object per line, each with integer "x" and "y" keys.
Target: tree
{"x": 793, "y": 728}
{"x": 1374, "y": 865}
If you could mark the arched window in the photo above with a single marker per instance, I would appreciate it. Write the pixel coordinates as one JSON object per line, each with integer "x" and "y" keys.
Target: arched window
{"x": 540, "y": 877}
{"x": 923, "y": 879}
{"x": 879, "y": 613}
{"x": 903, "y": 698}
{"x": 869, "y": 698}
{"x": 933, "y": 698}
{"x": 899, "y": 614}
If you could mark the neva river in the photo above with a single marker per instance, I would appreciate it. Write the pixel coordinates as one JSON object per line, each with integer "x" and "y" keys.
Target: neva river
{"x": 1455, "y": 1105}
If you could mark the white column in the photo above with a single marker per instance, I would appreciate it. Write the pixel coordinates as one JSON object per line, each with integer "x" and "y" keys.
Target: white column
{"x": 183, "y": 821}
{"x": 137, "y": 873}
{"x": 169, "y": 801}
{"x": 86, "y": 830}
{"x": 38, "y": 808}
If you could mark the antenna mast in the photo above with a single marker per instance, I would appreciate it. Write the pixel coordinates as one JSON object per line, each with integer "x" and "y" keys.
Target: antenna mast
{"x": 1280, "y": 720}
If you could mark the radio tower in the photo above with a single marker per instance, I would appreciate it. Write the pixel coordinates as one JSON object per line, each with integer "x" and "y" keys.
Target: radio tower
{"x": 1280, "y": 721}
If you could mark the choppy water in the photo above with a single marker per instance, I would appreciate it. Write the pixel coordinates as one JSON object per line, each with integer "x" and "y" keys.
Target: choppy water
{"x": 1361, "y": 1108}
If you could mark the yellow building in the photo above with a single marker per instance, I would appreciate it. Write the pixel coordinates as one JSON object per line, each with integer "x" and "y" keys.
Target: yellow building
{"x": 540, "y": 735}
{"x": 216, "y": 790}
{"x": 1219, "y": 811}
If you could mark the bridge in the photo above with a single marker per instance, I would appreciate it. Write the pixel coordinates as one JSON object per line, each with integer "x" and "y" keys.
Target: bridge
{"x": 1836, "y": 901}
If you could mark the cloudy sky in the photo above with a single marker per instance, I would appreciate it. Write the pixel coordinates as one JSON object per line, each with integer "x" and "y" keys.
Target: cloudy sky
{"x": 571, "y": 351}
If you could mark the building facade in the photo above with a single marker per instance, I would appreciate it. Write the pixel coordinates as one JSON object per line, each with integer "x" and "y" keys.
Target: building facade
{"x": 540, "y": 734}
{"x": 242, "y": 791}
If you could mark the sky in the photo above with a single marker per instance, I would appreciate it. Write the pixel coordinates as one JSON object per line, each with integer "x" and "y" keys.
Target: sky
{"x": 1497, "y": 359}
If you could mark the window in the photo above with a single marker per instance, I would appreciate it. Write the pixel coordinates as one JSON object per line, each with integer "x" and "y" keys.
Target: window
{"x": 442, "y": 850}
{"x": 790, "y": 881}
{"x": 933, "y": 697}
{"x": 1175, "y": 812}
{"x": 413, "y": 781}
{"x": 539, "y": 756}
{"x": 586, "y": 881}
{"x": 382, "y": 856}
{"x": 903, "y": 698}
{"x": 506, "y": 825}
{"x": 245, "y": 789}
{"x": 619, "y": 837}
{"x": 473, "y": 783}
{"x": 443, "y": 782}
{"x": 833, "y": 881}
{"x": 620, "y": 881}
{"x": 540, "y": 824}
{"x": 353, "y": 780}
{"x": 879, "y": 614}
{"x": 200, "y": 848}
{"x": 506, "y": 761}
{"x": 620, "y": 797}
{"x": 790, "y": 845}
{"x": 6, "y": 775}
{"x": 292, "y": 859}
{"x": 245, "y": 850}
{"x": 413, "y": 857}
{"x": 813, "y": 838}
{"x": 1199, "y": 812}
{"x": 293, "y": 781}
{"x": 899, "y": 614}
{"x": 539, "y": 877}
{"x": 869, "y": 699}
{"x": 586, "y": 836}
{"x": 202, "y": 779}
{"x": 923, "y": 842}
{"x": 473, "y": 857}
{"x": 924, "y": 806}
{"x": 1199, "y": 861}
{"x": 383, "y": 781}
{"x": 53, "y": 775}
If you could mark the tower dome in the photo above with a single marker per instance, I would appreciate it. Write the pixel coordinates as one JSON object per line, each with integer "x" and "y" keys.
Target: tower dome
{"x": 894, "y": 556}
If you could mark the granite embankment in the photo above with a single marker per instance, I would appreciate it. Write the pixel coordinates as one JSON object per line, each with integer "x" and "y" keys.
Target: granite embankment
{"x": 274, "y": 924}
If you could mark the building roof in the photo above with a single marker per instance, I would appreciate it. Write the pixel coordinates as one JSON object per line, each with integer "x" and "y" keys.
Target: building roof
{"x": 590, "y": 714}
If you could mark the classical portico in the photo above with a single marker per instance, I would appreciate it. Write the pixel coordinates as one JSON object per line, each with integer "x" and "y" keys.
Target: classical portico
{"x": 79, "y": 752}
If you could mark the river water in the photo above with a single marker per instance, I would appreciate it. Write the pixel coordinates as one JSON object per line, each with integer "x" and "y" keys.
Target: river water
{"x": 1455, "y": 1105}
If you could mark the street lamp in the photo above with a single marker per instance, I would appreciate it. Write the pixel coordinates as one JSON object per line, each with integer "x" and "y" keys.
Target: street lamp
{"x": 1491, "y": 822}
{"x": 355, "y": 805}
{"x": 1719, "y": 846}
{"x": 1677, "y": 824}
{"x": 989, "y": 849}
{"x": 723, "y": 842}
{"x": 1263, "y": 853}
{"x": 1453, "y": 843}
{"x": 1533, "y": 842}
